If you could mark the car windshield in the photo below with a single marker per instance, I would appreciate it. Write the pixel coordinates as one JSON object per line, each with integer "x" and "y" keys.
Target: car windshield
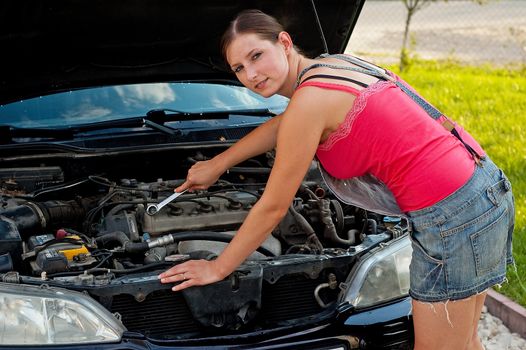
{"x": 126, "y": 101}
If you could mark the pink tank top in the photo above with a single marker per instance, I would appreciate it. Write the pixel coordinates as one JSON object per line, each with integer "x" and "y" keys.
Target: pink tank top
{"x": 388, "y": 135}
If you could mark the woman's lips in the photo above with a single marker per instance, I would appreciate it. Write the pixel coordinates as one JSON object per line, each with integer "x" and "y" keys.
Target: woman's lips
{"x": 261, "y": 84}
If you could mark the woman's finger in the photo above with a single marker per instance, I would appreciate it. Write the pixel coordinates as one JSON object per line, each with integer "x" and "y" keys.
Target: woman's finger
{"x": 183, "y": 285}
{"x": 181, "y": 272}
{"x": 174, "y": 278}
{"x": 173, "y": 271}
{"x": 186, "y": 185}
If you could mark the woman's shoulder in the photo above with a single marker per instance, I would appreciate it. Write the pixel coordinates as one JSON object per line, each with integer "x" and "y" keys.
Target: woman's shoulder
{"x": 313, "y": 103}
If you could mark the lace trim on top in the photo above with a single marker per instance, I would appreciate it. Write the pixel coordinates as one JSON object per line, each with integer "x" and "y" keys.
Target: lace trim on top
{"x": 358, "y": 106}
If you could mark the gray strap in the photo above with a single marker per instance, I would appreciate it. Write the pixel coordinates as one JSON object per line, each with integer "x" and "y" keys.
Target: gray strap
{"x": 432, "y": 111}
{"x": 370, "y": 68}
{"x": 355, "y": 60}
{"x": 333, "y": 66}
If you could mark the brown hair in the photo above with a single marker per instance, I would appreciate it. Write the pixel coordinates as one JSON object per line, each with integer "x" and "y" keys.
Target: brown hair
{"x": 251, "y": 21}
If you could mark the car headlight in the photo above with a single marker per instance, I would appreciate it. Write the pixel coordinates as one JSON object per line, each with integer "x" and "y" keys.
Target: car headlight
{"x": 381, "y": 276}
{"x": 31, "y": 315}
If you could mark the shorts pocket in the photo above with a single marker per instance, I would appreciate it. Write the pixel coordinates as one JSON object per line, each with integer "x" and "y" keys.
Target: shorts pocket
{"x": 417, "y": 246}
{"x": 426, "y": 272}
{"x": 489, "y": 244}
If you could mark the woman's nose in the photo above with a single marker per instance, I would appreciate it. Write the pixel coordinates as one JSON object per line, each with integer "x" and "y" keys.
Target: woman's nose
{"x": 251, "y": 73}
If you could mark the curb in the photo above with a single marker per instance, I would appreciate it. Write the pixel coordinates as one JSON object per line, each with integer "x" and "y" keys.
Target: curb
{"x": 512, "y": 314}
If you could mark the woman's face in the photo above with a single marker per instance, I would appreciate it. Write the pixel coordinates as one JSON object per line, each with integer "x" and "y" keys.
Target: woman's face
{"x": 261, "y": 65}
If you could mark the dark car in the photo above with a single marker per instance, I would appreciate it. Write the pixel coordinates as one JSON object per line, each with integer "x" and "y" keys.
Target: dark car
{"x": 104, "y": 105}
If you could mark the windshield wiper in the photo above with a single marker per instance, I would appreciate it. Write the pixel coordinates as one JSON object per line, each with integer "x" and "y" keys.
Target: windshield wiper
{"x": 163, "y": 115}
{"x": 154, "y": 119}
{"x": 8, "y": 133}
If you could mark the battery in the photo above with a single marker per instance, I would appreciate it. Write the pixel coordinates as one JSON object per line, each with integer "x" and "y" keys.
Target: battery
{"x": 51, "y": 261}
{"x": 35, "y": 241}
{"x": 61, "y": 256}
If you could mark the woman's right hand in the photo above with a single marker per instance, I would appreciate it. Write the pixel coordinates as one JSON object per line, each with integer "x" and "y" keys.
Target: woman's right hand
{"x": 202, "y": 175}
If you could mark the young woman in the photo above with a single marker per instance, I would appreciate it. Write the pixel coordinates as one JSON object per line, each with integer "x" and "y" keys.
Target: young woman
{"x": 360, "y": 120}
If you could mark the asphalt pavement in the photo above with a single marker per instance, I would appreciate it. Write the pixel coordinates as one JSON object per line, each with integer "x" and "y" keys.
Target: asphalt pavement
{"x": 494, "y": 32}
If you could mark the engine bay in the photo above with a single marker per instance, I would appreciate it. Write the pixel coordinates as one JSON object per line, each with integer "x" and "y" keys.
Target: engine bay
{"x": 85, "y": 226}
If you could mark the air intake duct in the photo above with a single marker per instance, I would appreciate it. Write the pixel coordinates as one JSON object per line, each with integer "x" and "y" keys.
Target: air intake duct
{"x": 32, "y": 217}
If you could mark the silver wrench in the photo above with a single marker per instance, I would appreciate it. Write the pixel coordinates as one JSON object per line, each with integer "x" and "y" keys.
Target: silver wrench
{"x": 152, "y": 209}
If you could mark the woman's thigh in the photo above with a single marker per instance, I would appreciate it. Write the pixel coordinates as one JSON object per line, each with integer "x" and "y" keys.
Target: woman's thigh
{"x": 446, "y": 325}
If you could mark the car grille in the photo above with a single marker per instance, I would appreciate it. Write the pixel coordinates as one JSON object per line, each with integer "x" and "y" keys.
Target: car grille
{"x": 392, "y": 335}
{"x": 396, "y": 335}
{"x": 164, "y": 314}
{"x": 289, "y": 298}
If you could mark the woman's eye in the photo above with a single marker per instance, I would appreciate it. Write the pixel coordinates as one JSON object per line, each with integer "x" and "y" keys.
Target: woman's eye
{"x": 256, "y": 56}
{"x": 238, "y": 69}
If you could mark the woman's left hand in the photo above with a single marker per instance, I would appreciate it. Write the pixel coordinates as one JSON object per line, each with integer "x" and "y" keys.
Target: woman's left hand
{"x": 192, "y": 273}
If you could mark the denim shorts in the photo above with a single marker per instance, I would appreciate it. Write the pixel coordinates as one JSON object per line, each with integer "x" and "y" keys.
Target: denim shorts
{"x": 462, "y": 244}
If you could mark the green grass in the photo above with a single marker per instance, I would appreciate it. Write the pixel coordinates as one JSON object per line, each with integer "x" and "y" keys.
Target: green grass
{"x": 491, "y": 104}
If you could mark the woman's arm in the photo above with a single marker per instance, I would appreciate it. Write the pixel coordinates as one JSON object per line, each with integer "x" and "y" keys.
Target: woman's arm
{"x": 297, "y": 139}
{"x": 300, "y": 130}
{"x": 203, "y": 174}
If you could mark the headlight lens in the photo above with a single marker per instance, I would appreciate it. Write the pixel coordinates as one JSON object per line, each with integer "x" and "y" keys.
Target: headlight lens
{"x": 382, "y": 276}
{"x": 30, "y": 315}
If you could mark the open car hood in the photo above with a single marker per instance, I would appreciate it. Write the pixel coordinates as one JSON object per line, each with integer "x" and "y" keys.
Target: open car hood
{"x": 55, "y": 46}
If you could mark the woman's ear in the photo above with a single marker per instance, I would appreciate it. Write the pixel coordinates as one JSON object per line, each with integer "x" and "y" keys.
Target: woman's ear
{"x": 285, "y": 40}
